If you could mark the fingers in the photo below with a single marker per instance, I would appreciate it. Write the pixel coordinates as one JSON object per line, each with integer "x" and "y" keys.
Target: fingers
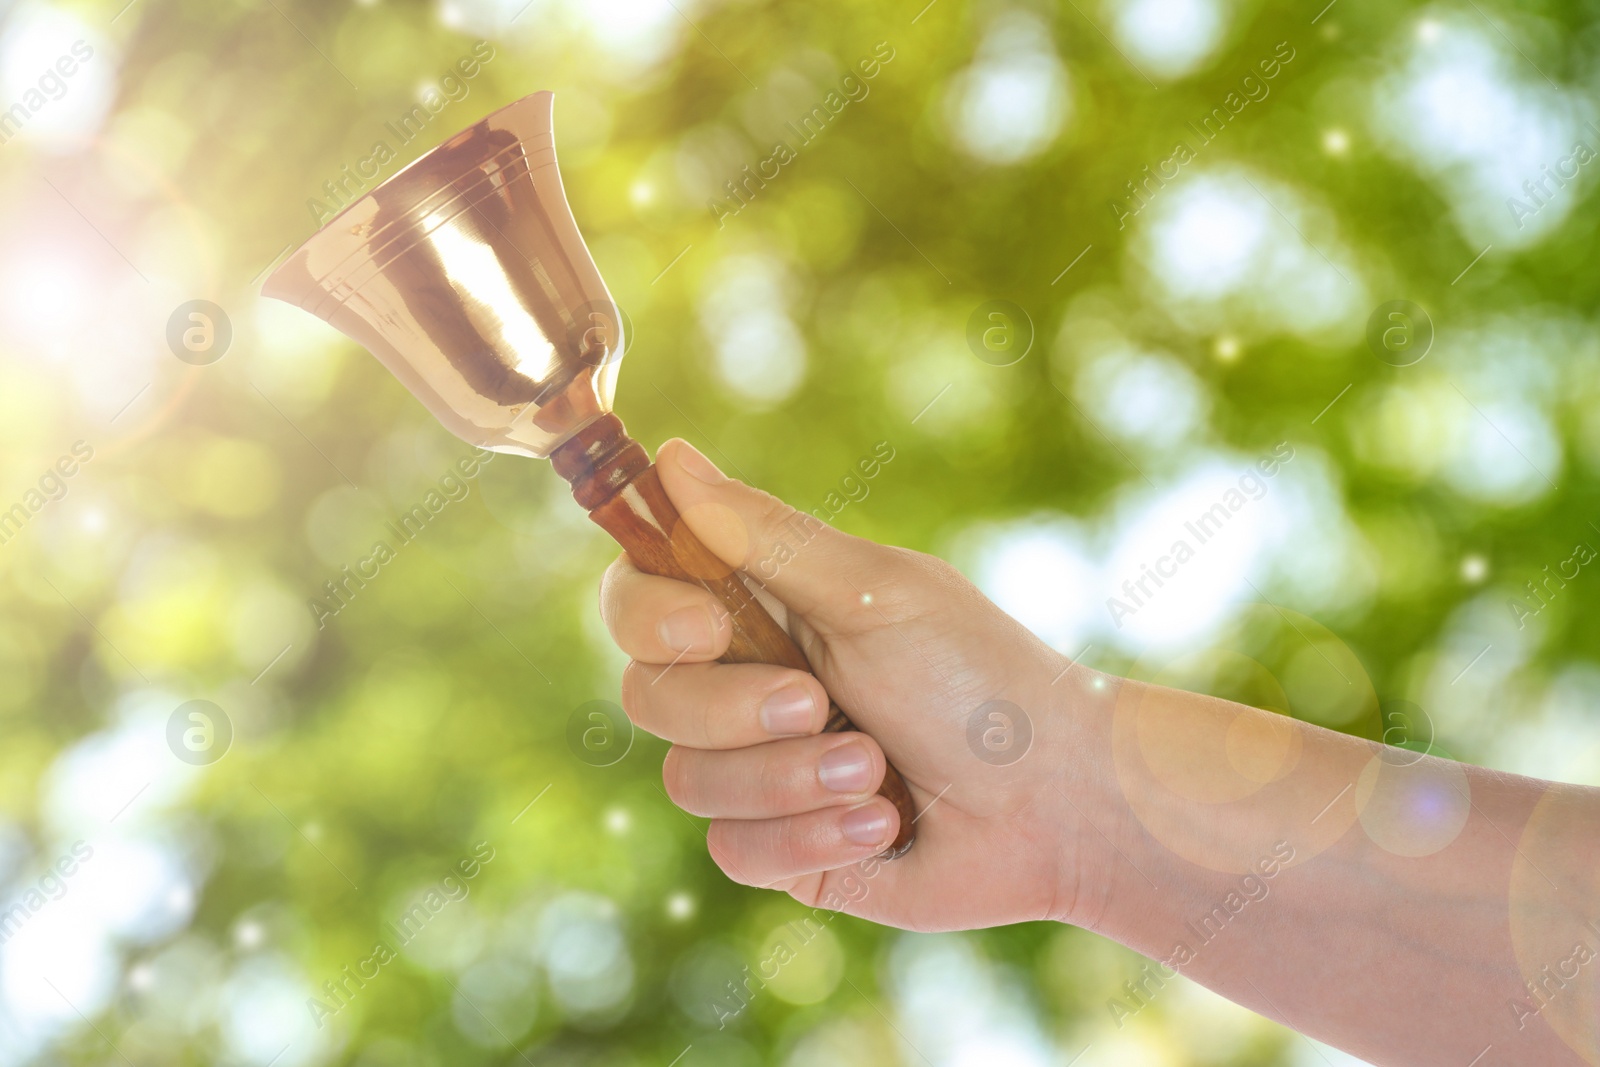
{"x": 723, "y": 705}
{"x": 767, "y": 851}
{"x": 776, "y": 779}
{"x": 659, "y": 620}
{"x": 786, "y": 808}
{"x": 670, "y": 629}
{"x": 810, "y": 566}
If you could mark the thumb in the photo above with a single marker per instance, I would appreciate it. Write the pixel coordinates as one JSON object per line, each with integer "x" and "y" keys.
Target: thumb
{"x": 813, "y": 568}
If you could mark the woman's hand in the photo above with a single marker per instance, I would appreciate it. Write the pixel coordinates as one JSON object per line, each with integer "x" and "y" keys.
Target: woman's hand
{"x": 911, "y": 650}
{"x": 1405, "y": 908}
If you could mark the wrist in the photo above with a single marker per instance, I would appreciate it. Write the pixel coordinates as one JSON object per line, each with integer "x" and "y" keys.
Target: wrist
{"x": 1180, "y": 796}
{"x": 1090, "y": 817}
{"x": 1121, "y": 806}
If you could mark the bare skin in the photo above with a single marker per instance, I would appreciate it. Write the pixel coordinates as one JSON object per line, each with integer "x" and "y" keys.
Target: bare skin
{"x": 1405, "y": 908}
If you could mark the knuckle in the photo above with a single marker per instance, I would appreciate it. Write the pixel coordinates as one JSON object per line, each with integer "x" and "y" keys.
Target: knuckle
{"x": 714, "y": 726}
{"x": 773, "y": 518}
{"x": 910, "y": 583}
{"x": 635, "y": 687}
{"x": 720, "y": 838}
{"x": 651, "y": 701}
{"x": 677, "y": 779}
{"x": 775, "y": 772}
{"x": 911, "y": 562}
{"x": 792, "y": 845}
{"x": 947, "y": 575}
{"x": 612, "y": 583}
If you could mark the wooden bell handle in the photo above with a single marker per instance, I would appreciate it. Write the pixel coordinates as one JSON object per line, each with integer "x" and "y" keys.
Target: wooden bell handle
{"x": 614, "y": 480}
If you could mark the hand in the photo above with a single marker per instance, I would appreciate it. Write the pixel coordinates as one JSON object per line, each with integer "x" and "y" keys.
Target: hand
{"x": 910, "y": 649}
{"x": 1396, "y": 886}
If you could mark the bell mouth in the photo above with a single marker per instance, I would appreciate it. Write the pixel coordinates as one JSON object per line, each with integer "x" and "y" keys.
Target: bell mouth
{"x": 532, "y": 120}
{"x": 419, "y": 197}
{"x": 393, "y": 239}
{"x": 466, "y": 275}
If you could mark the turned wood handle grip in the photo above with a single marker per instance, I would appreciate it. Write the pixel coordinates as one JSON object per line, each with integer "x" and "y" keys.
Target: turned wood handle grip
{"x": 614, "y": 480}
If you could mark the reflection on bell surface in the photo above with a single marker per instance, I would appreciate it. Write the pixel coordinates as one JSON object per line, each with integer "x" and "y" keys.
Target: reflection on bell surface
{"x": 466, "y": 275}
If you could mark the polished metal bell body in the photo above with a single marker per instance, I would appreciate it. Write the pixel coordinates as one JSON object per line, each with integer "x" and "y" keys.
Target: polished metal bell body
{"x": 466, "y": 275}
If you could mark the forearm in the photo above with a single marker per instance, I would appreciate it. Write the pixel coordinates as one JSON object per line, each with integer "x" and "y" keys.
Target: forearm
{"x": 1393, "y": 905}
{"x": 1370, "y": 897}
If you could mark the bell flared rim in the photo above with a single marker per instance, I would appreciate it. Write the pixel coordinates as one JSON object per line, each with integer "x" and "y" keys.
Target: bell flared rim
{"x": 530, "y": 119}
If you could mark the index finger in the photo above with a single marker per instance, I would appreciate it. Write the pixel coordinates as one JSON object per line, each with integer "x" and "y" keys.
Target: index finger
{"x": 661, "y": 620}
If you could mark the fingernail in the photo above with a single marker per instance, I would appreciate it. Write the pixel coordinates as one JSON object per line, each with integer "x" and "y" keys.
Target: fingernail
{"x": 687, "y": 630}
{"x": 690, "y": 459}
{"x": 788, "y": 711}
{"x": 866, "y": 825}
{"x": 846, "y": 769}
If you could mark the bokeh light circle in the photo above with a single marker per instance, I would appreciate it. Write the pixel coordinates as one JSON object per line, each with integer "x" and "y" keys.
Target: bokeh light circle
{"x": 1185, "y": 761}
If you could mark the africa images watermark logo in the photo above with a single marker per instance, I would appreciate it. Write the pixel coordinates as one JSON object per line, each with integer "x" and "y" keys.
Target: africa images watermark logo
{"x": 1542, "y": 190}
{"x": 1252, "y": 888}
{"x": 199, "y": 732}
{"x": 346, "y": 187}
{"x": 1203, "y": 527}
{"x": 796, "y": 935}
{"x": 52, "y": 85}
{"x": 599, "y": 732}
{"x": 743, "y": 189}
{"x": 339, "y": 991}
{"x": 1251, "y": 88}
{"x": 802, "y": 526}
{"x": 52, "y": 885}
{"x": 52, "y": 486}
{"x": 405, "y": 529}
{"x": 1540, "y": 595}
{"x": 999, "y": 733}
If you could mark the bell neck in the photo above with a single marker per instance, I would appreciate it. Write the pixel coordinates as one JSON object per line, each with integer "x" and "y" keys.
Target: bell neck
{"x": 600, "y": 460}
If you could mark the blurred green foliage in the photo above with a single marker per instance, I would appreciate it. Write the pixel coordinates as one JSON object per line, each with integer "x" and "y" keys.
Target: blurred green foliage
{"x": 427, "y": 716}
